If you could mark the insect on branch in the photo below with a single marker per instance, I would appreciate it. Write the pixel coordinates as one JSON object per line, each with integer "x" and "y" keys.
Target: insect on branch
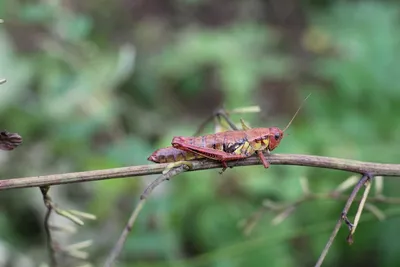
{"x": 204, "y": 164}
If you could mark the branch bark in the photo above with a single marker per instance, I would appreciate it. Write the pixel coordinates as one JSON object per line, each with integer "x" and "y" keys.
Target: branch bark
{"x": 142, "y": 170}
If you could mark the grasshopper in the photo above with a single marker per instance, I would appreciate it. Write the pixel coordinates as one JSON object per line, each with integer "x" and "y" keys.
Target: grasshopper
{"x": 223, "y": 146}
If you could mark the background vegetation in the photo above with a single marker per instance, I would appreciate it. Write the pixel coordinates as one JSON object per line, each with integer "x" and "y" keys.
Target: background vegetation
{"x": 101, "y": 84}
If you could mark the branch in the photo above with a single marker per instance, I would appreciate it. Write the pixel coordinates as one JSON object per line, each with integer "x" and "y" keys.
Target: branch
{"x": 274, "y": 159}
{"x": 343, "y": 217}
{"x": 50, "y": 245}
{"x": 135, "y": 213}
{"x": 283, "y": 210}
{"x": 74, "y": 250}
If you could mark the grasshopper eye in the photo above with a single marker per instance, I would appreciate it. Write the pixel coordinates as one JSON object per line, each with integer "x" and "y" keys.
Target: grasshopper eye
{"x": 277, "y": 136}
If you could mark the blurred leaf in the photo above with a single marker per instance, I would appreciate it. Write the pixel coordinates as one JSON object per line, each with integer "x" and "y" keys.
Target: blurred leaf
{"x": 129, "y": 151}
{"x": 34, "y": 13}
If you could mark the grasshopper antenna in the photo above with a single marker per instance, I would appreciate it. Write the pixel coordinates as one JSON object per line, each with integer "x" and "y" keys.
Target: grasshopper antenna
{"x": 295, "y": 114}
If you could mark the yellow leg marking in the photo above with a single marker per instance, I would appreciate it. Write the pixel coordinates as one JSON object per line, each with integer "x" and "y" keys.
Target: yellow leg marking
{"x": 188, "y": 165}
{"x": 244, "y": 125}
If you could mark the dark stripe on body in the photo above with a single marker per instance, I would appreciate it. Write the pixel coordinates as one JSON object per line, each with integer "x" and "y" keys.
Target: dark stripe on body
{"x": 230, "y": 148}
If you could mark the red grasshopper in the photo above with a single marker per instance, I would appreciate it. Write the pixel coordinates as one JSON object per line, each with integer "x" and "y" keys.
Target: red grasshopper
{"x": 224, "y": 146}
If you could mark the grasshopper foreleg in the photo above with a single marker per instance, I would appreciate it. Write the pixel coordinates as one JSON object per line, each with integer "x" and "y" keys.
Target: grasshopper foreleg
{"x": 263, "y": 159}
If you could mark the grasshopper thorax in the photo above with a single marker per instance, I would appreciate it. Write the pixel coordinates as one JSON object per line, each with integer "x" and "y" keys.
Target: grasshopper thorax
{"x": 264, "y": 138}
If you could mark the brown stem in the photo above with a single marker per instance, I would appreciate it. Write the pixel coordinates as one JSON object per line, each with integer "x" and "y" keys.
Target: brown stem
{"x": 50, "y": 246}
{"x": 329, "y": 243}
{"x": 116, "y": 250}
{"x": 368, "y": 184}
{"x": 343, "y": 217}
{"x": 252, "y": 221}
{"x": 352, "y": 196}
{"x": 275, "y": 159}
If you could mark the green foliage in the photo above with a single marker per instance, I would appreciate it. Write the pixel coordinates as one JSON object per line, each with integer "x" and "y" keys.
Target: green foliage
{"x": 98, "y": 85}
{"x": 238, "y": 52}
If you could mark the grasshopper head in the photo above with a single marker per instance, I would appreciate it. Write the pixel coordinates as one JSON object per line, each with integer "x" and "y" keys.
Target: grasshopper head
{"x": 275, "y": 137}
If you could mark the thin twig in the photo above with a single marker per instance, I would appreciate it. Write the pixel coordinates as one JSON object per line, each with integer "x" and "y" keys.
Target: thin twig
{"x": 329, "y": 243}
{"x": 249, "y": 224}
{"x": 352, "y": 196}
{"x": 274, "y": 159}
{"x": 50, "y": 246}
{"x": 343, "y": 217}
{"x": 285, "y": 209}
{"x": 163, "y": 178}
{"x": 121, "y": 241}
{"x": 368, "y": 184}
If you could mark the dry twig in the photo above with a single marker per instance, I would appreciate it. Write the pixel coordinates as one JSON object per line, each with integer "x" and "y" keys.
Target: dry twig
{"x": 366, "y": 178}
{"x": 274, "y": 159}
{"x": 72, "y": 215}
{"x": 50, "y": 246}
{"x": 284, "y": 210}
{"x": 132, "y": 219}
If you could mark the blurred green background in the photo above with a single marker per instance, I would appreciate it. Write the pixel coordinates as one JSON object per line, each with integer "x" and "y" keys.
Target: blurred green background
{"x": 101, "y": 84}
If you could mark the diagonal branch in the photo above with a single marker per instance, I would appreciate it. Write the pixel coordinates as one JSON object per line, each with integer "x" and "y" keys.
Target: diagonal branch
{"x": 343, "y": 217}
{"x": 50, "y": 244}
{"x": 275, "y": 159}
{"x": 121, "y": 241}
